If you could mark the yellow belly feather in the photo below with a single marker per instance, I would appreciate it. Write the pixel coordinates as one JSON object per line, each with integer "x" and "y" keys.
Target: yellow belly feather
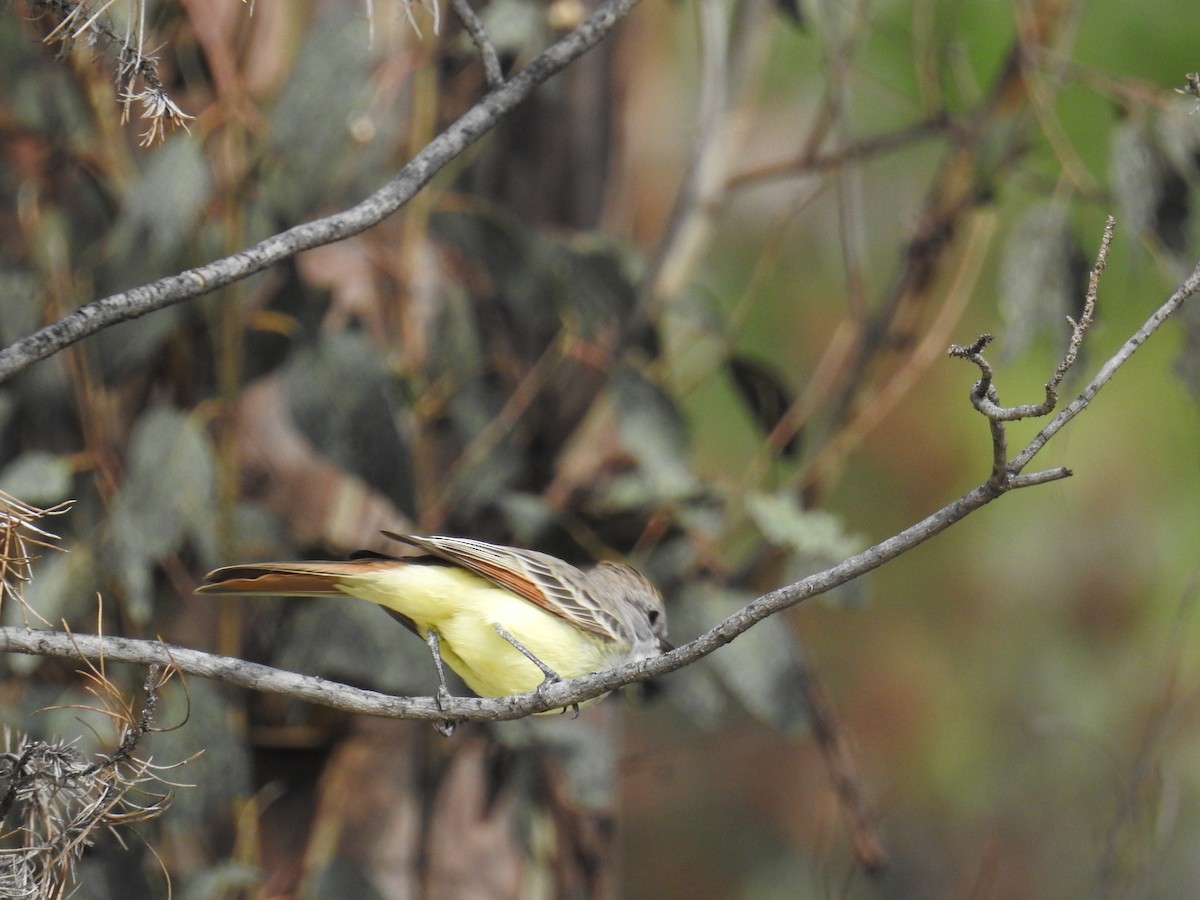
{"x": 463, "y": 608}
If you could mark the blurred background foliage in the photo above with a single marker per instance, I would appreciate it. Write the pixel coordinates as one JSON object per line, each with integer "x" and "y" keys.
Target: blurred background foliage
{"x": 687, "y": 305}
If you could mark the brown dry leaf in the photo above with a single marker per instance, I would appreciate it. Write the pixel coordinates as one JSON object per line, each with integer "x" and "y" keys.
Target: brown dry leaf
{"x": 345, "y": 270}
{"x": 368, "y": 808}
{"x": 398, "y": 810}
{"x": 591, "y": 457}
{"x": 319, "y": 502}
{"x": 375, "y": 821}
{"x": 224, "y": 26}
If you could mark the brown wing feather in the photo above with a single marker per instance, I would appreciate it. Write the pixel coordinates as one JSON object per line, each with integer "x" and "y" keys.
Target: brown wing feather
{"x": 543, "y": 580}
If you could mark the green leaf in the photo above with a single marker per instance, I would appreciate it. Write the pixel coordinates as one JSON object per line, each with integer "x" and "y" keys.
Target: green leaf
{"x": 36, "y": 477}
{"x": 514, "y": 25}
{"x": 793, "y": 12}
{"x": 766, "y": 395}
{"x": 341, "y": 877}
{"x": 310, "y": 124}
{"x": 20, "y": 311}
{"x": 1187, "y": 362}
{"x": 339, "y": 393}
{"x": 528, "y": 516}
{"x": 205, "y": 717}
{"x": 1152, "y": 194}
{"x": 1135, "y": 172}
{"x": 1043, "y": 277}
{"x": 585, "y": 753}
{"x": 355, "y": 642}
{"x": 162, "y": 207}
{"x": 227, "y": 879}
{"x": 168, "y": 495}
{"x": 762, "y": 668}
{"x": 813, "y": 532}
{"x": 596, "y": 281}
{"x": 652, "y": 429}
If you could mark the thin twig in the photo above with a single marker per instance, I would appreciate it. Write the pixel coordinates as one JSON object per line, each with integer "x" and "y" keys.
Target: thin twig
{"x": 1193, "y": 88}
{"x": 1080, "y": 403}
{"x": 483, "y": 43}
{"x": 477, "y": 121}
{"x": 830, "y": 738}
{"x": 1079, "y": 329}
{"x": 813, "y": 163}
{"x": 984, "y": 395}
{"x": 731, "y": 57}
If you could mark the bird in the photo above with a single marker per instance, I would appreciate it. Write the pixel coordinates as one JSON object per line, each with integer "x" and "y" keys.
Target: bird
{"x": 507, "y": 620}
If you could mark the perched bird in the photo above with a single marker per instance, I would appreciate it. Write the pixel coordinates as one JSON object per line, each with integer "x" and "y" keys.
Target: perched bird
{"x": 504, "y": 619}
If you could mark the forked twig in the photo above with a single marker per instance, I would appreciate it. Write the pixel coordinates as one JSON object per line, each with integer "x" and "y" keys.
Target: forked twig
{"x": 986, "y": 399}
{"x": 483, "y": 43}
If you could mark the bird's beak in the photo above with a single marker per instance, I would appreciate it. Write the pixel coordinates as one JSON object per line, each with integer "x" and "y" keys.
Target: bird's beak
{"x": 665, "y": 646}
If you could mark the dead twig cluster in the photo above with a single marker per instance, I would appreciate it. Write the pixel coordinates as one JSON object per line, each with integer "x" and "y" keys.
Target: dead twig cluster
{"x": 136, "y": 71}
{"x": 20, "y": 534}
{"x": 61, "y": 800}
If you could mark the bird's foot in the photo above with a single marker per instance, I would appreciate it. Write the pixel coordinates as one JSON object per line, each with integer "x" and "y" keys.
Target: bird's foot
{"x": 443, "y": 697}
{"x": 549, "y": 676}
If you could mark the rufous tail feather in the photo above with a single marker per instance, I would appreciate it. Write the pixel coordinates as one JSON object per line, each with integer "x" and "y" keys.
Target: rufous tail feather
{"x": 291, "y": 579}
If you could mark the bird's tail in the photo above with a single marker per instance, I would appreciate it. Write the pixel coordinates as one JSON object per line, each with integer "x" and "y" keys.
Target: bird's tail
{"x": 288, "y": 579}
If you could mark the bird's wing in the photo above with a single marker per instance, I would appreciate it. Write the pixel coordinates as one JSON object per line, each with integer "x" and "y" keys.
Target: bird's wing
{"x": 546, "y": 581}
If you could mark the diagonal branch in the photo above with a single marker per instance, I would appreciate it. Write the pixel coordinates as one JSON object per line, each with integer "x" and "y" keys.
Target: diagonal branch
{"x": 1109, "y": 369}
{"x": 567, "y": 693}
{"x": 549, "y": 697}
{"x": 476, "y": 122}
{"x": 984, "y": 397}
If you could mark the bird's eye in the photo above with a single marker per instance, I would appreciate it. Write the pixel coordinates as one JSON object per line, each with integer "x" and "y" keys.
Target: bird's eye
{"x": 654, "y": 617}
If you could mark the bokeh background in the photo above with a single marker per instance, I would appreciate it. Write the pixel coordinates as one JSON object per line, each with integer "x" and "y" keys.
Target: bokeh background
{"x": 689, "y": 305}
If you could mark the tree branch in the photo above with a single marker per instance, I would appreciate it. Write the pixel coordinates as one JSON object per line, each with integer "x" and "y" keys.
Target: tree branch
{"x": 477, "y": 121}
{"x": 1109, "y": 369}
{"x": 549, "y": 697}
{"x": 552, "y": 696}
{"x": 983, "y": 395}
{"x": 986, "y": 399}
{"x": 483, "y": 43}
{"x": 566, "y": 693}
